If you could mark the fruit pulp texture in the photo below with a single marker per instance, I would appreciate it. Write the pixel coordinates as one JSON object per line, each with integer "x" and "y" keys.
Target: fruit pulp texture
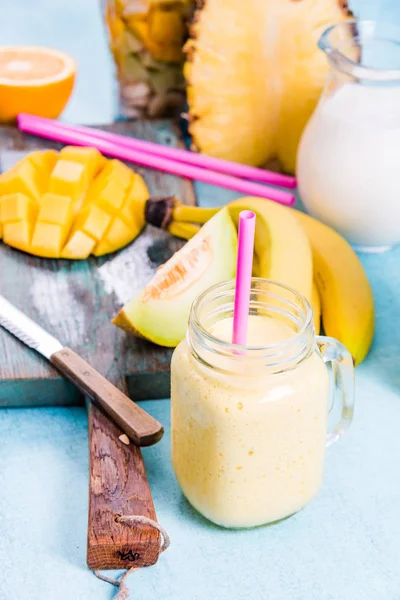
{"x": 347, "y": 164}
{"x": 248, "y": 449}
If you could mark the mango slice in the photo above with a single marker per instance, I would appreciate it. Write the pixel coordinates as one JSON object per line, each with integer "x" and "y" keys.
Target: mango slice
{"x": 116, "y": 233}
{"x": 68, "y": 179}
{"x": 111, "y": 197}
{"x": 79, "y": 245}
{"x": 47, "y": 239}
{"x": 71, "y": 204}
{"x": 43, "y": 160}
{"x": 93, "y": 221}
{"x": 23, "y": 178}
{"x": 18, "y": 234}
{"x": 91, "y": 158}
{"x": 17, "y": 207}
{"x": 56, "y": 209}
{"x": 17, "y": 214}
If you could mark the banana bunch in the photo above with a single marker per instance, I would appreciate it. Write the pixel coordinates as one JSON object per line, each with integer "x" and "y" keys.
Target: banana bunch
{"x": 301, "y": 252}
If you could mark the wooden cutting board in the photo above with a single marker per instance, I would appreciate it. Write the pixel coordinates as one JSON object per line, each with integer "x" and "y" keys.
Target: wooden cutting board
{"x": 75, "y": 300}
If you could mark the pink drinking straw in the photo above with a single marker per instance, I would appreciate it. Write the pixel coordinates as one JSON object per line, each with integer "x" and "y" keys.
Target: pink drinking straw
{"x": 247, "y": 223}
{"x": 51, "y": 131}
{"x": 177, "y": 154}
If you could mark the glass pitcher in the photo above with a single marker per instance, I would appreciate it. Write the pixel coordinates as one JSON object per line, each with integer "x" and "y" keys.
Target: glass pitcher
{"x": 349, "y": 155}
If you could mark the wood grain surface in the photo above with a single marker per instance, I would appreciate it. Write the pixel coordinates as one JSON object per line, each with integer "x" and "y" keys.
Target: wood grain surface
{"x": 135, "y": 422}
{"x": 118, "y": 486}
{"x": 75, "y": 300}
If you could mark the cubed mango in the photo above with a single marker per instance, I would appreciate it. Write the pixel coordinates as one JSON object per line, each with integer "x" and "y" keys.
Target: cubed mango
{"x": 93, "y": 221}
{"x": 89, "y": 157}
{"x": 115, "y": 169}
{"x": 79, "y": 245}
{"x": 18, "y": 234}
{"x": 135, "y": 202}
{"x": 56, "y": 209}
{"x": 43, "y": 160}
{"x": 24, "y": 179}
{"x": 47, "y": 239}
{"x": 139, "y": 189}
{"x": 70, "y": 204}
{"x": 111, "y": 197}
{"x": 68, "y": 179}
{"x": 117, "y": 236}
{"x": 17, "y": 207}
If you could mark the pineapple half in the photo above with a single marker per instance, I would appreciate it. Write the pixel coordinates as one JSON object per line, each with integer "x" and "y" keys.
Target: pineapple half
{"x": 255, "y": 74}
{"x": 146, "y": 39}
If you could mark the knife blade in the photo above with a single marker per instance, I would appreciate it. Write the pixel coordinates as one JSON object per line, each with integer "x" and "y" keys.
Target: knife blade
{"x": 26, "y": 330}
{"x": 140, "y": 427}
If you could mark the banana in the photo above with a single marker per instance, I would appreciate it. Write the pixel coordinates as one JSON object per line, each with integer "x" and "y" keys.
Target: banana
{"x": 281, "y": 246}
{"x": 192, "y": 214}
{"x": 282, "y": 250}
{"x": 346, "y": 296}
{"x": 294, "y": 248}
{"x": 183, "y": 230}
{"x": 316, "y": 305}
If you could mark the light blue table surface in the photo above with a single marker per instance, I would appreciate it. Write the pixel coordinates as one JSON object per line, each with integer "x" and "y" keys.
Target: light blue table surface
{"x": 345, "y": 546}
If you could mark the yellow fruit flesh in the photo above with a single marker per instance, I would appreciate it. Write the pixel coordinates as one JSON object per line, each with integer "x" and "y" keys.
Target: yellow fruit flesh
{"x": 24, "y": 179}
{"x": 43, "y": 160}
{"x": 17, "y": 207}
{"x": 68, "y": 179}
{"x": 79, "y": 245}
{"x": 56, "y": 209}
{"x": 47, "y": 240}
{"x": 253, "y": 84}
{"x": 316, "y": 306}
{"x": 89, "y": 157}
{"x": 18, "y": 234}
{"x": 70, "y": 205}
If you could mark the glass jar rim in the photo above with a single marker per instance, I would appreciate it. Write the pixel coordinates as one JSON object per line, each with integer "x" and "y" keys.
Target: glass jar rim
{"x": 248, "y": 350}
{"x": 348, "y": 66}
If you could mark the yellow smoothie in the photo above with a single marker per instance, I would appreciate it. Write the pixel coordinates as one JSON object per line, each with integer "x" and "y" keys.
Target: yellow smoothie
{"x": 248, "y": 445}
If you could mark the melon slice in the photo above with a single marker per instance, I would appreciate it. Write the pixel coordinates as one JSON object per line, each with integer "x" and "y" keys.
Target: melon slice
{"x": 160, "y": 311}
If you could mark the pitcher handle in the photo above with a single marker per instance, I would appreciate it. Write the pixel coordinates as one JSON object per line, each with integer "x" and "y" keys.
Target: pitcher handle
{"x": 341, "y": 360}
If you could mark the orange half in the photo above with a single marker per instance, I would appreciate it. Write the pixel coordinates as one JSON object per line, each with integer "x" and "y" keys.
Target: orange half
{"x": 34, "y": 80}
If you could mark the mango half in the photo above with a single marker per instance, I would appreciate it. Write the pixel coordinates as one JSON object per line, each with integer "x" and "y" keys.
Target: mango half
{"x": 71, "y": 204}
{"x": 160, "y": 312}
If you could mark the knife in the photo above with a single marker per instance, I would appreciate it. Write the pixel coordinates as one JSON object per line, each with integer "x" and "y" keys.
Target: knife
{"x": 140, "y": 427}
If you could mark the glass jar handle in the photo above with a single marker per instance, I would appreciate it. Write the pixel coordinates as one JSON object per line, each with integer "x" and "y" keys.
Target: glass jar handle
{"x": 341, "y": 360}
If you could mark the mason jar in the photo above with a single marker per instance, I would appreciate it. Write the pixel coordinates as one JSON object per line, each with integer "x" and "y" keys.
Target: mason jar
{"x": 249, "y": 423}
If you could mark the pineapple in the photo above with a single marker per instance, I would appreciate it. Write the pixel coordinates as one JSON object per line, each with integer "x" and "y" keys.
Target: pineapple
{"x": 254, "y": 75}
{"x": 146, "y": 39}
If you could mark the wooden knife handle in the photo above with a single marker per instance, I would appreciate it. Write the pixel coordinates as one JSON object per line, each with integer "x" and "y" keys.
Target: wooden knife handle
{"x": 118, "y": 485}
{"x": 140, "y": 427}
